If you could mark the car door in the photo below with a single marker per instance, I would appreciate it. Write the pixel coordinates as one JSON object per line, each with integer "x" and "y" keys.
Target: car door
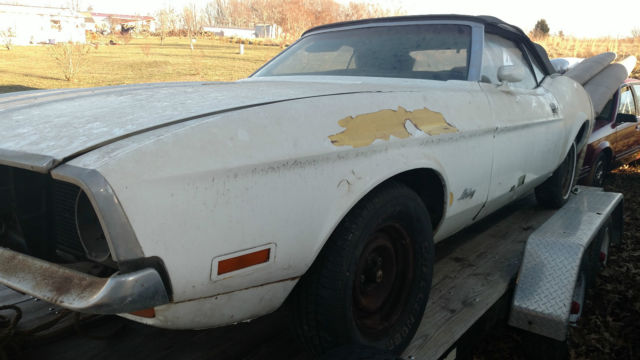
{"x": 528, "y": 137}
{"x": 627, "y": 133}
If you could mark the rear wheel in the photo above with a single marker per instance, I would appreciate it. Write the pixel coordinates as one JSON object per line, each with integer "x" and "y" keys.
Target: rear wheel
{"x": 370, "y": 283}
{"x": 555, "y": 191}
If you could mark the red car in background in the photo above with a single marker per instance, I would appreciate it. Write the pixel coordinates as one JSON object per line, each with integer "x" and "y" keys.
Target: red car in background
{"x": 616, "y": 135}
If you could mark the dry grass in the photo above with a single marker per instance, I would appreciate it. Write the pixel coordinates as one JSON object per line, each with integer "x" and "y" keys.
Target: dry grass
{"x": 141, "y": 60}
{"x": 145, "y": 60}
{"x": 558, "y": 46}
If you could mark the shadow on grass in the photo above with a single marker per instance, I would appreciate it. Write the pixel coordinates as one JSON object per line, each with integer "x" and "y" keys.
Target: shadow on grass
{"x": 35, "y": 75}
{"x": 12, "y": 88}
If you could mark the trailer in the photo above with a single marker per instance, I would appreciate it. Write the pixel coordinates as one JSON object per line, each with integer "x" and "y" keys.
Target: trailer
{"x": 524, "y": 265}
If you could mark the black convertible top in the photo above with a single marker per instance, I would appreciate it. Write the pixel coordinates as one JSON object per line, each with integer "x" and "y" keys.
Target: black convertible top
{"x": 493, "y": 24}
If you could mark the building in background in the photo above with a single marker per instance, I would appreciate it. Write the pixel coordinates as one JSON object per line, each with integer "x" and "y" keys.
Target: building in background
{"x": 107, "y": 23}
{"x": 32, "y": 24}
{"x": 244, "y": 33}
{"x": 268, "y": 31}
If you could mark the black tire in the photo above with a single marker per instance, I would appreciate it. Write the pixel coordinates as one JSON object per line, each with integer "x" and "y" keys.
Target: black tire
{"x": 555, "y": 191}
{"x": 370, "y": 283}
{"x": 600, "y": 170}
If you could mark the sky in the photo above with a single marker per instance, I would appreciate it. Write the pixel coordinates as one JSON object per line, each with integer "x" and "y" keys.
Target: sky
{"x": 610, "y": 19}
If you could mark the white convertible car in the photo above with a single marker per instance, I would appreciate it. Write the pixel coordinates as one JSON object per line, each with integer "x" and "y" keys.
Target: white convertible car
{"x": 323, "y": 180}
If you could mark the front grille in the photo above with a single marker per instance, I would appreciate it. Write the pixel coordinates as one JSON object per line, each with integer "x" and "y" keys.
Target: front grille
{"x": 64, "y": 219}
{"x": 37, "y": 214}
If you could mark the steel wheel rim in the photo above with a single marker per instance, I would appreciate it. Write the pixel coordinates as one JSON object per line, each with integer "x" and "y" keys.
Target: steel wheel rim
{"x": 384, "y": 273}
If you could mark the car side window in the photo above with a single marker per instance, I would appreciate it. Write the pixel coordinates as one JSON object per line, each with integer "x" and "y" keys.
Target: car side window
{"x": 636, "y": 89}
{"x": 627, "y": 104}
{"x": 499, "y": 52}
{"x": 536, "y": 68}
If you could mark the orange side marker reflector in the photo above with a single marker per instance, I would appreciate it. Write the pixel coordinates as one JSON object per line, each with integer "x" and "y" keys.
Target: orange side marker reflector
{"x": 243, "y": 261}
{"x": 147, "y": 313}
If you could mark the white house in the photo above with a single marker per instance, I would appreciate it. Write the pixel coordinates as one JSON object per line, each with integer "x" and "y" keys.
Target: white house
{"x": 32, "y": 24}
{"x": 243, "y": 33}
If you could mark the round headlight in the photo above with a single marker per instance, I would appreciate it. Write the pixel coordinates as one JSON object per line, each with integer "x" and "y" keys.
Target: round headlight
{"x": 90, "y": 231}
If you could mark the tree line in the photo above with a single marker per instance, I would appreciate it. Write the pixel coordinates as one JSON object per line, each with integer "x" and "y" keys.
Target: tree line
{"x": 293, "y": 16}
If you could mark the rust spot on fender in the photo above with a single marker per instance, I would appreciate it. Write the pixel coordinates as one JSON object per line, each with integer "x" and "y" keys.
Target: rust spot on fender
{"x": 364, "y": 129}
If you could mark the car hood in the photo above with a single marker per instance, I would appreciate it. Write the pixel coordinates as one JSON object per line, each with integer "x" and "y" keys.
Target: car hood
{"x": 41, "y": 129}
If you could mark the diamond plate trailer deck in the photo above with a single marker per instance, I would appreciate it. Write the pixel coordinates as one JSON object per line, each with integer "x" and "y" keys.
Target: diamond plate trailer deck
{"x": 474, "y": 270}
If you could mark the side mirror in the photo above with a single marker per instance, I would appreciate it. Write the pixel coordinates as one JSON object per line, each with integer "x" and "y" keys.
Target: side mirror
{"x": 510, "y": 73}
{"x": 626, "y": 118}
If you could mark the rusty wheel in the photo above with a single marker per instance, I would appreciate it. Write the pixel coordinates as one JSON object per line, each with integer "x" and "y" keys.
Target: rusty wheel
{"x": 383, "y": 278}
{"x": 370, "y": 283}
{"x": 555, "y": 191}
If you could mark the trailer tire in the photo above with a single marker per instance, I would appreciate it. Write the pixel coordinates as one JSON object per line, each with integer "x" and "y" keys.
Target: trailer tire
{"x": 555, "y": 191}
{"x": 370, "y": 283}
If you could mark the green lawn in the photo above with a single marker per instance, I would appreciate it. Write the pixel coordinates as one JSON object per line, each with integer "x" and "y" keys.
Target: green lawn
{"x": 141, "y": 60}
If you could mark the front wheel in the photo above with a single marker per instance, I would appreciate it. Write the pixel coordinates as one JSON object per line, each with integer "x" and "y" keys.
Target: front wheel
{"x": 555, "y": 191}
{"x": 370, "y": 283}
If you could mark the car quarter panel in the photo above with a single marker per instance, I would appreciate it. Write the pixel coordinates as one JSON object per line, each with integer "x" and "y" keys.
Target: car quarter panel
{"x": 575, "y": 106}
{"x": 286, "y": 173}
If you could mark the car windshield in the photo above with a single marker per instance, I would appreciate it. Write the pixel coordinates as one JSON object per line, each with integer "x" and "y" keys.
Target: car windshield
{"x": 427, "y": 51}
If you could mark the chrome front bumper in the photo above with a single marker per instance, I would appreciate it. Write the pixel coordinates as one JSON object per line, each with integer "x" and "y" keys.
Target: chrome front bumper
{"x": 120, "y": 293}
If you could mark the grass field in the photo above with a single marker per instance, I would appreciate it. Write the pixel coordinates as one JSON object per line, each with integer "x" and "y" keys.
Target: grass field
{"x": 558, "y": 46}
{"x": 145, "y": 60}
{"x": 141, "y": 60}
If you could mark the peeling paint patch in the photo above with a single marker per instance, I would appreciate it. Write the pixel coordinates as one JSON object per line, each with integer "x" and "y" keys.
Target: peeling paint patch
{"x": 467, "y": 194}
{"x": 450, "y": 198}
{"x": 364, "y": 129}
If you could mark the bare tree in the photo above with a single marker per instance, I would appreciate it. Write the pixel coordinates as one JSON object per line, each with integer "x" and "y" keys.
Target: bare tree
{"x": 293, "y": 16}
{"x": 217, "y": 13}
{"x": 190, "y": 22}
{"x": 209, "y": 14}
{"x": 6, "y": 36}
{"x": 70, "y": 58}
{"x": 163, "y": 18}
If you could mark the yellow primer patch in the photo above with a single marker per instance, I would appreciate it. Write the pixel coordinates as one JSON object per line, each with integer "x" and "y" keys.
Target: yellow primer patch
{"x": 450, "y": 198}
{"x": 364, "y": 129}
